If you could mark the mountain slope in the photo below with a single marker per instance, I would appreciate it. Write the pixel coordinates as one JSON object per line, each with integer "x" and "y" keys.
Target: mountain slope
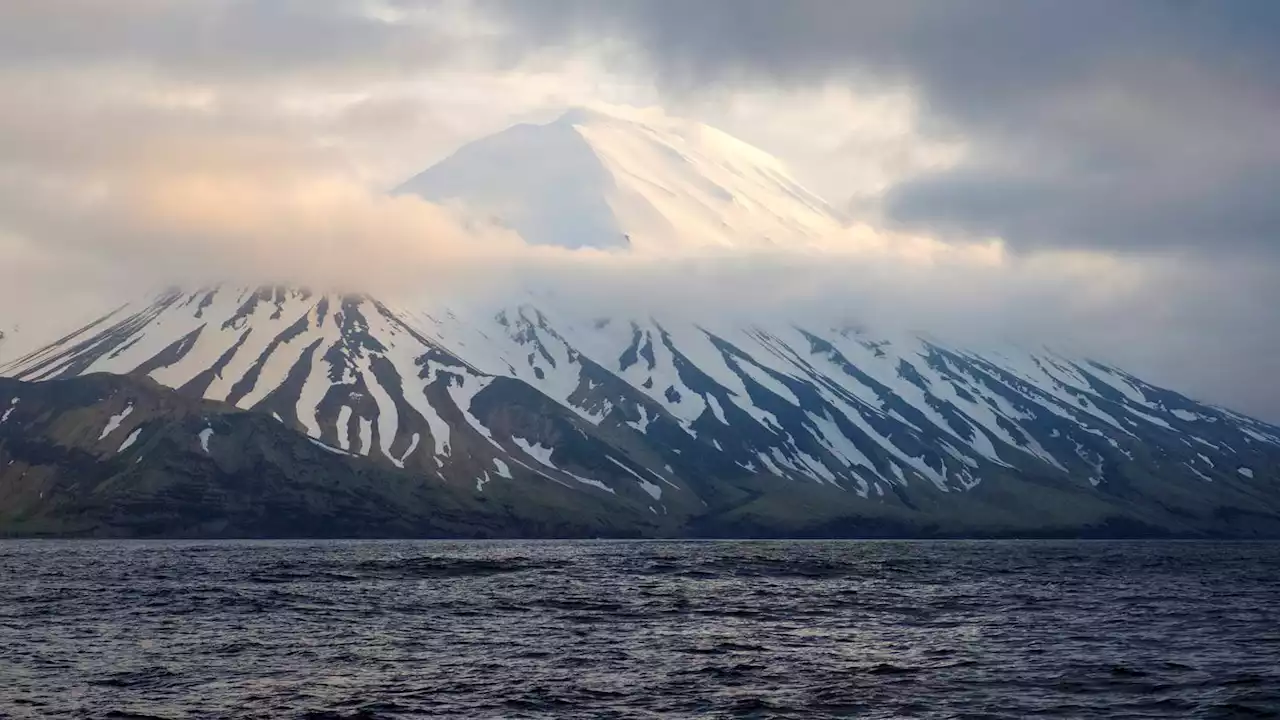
{"x": 118, "y": 456}
{"x": 786, "y": 429}
{"x": 613, "y": 178}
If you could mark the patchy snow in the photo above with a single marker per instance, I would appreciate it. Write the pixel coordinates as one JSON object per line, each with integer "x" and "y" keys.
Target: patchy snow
{"x": 1206, "y": 443}
{"x": 1152, "y": 419}
{"x": 415, "y": 393}
{"x": 205, "y": 435}
{"x": 13, "y": 404}
{"x": 641, "y": 425}
{"x": 864, "y": 489}
{"x": 623, "y": 467}
{"x": 541, "y": 453}
{"x": 654, "y": 491}
{"x": 592, "y": 483}
{"x": 767, "y": 381}
{"x": 464, "y": 388}
{"x": 129, "y": 441}
{"x": 366, "y": 436}
{"x": 282, "y": 358}
{"x": 773, "y": 468}
{"x": 716, "y": 410}
{"x": 315, "y": 388}
{"x": 266, "y": 326}
{"x": 1197, "y": 472}
{"x": 481, "y": 482}
{"x": 113, "y": 423}
{"x": 388, "y": 416}
{"x": 503, "y": 470}
{"x": 830, "y": 435}
{"x": 322, "y": 446}
{"x": 1118, "y": 382}
{"x": 344, "y": 428}
{"x": 413, "y": 445}
{"x": 1270, "y": 439}
{"x": 1245, "y": 472}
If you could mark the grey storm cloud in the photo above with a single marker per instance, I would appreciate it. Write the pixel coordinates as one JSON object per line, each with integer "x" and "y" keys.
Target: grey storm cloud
{"x": 1136, "y": 125}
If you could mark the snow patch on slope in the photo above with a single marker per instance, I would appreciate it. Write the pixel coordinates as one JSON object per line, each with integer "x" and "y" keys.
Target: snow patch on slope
{"x": 344, "y": 428}
{"x": 324, "y": 447}
{"x": 129, "y": 441}
{"x": 113, "y": 423}
{"x": 503, "y": 470}
{"x": 539, "y": 452}
{"x": 13, "y": 405}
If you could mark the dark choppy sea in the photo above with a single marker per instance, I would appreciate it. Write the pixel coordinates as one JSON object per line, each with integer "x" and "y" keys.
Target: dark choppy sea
{"x": 639, "y": 629}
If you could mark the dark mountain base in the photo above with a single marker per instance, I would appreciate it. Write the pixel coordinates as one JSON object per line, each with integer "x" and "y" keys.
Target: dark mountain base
{"x": 63, "y": 475}
{"x": 122, "y": 457}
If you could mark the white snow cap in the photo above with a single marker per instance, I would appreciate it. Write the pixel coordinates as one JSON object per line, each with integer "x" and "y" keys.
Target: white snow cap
{"x": 616, "y": 177}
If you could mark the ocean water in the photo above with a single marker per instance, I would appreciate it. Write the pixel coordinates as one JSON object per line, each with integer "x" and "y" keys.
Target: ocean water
{"x": 639, "y": 629}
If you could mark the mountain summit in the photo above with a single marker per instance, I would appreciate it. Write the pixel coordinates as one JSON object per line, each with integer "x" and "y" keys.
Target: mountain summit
{"x": 616, "y": 177}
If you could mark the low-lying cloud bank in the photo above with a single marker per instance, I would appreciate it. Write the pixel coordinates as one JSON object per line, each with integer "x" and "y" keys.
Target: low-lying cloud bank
{"x": 75, "y": 248}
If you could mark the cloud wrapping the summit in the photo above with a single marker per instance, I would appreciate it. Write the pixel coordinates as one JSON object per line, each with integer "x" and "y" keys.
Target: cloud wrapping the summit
{"x": 1139, "y": 125}
{"x": 1094, "y": 174}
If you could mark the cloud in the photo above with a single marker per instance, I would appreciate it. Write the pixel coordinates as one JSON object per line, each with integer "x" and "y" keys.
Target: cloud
{"x": 109, "y": 179}
{"x": 242, "y": 40}
{"x": 1124, "y": 153}
{"x": 1143, "y": 129}
{"x": 1144, "y": 124}
{"x": 1150, "y": 316}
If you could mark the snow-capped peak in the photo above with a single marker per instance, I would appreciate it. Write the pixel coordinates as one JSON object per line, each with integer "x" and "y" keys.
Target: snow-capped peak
{"x": 612, "y": 177}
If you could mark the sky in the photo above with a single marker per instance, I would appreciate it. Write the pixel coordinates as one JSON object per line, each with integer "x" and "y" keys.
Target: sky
{"x": 1093, "y": 172}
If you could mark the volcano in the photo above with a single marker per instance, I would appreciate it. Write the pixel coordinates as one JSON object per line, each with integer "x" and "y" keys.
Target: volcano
{"x": 675, "y": 427}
